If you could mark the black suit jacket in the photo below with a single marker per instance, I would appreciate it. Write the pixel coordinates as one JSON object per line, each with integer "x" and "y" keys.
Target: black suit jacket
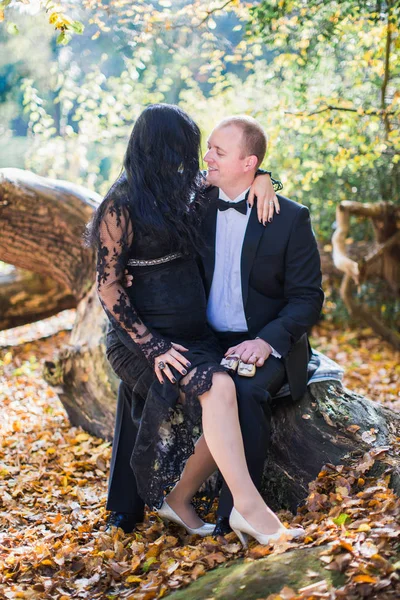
{"x": 281, "y": 281}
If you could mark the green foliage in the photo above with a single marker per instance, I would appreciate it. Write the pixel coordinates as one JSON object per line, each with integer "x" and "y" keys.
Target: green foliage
{"x": 337, "y": 67}
{"x": 322, "y": 77}
{"x": 302, "y": 25}
{"x": 95, "y": 118}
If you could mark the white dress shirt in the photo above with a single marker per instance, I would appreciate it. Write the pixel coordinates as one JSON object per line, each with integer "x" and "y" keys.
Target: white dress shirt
{"x": 225, "y": 310}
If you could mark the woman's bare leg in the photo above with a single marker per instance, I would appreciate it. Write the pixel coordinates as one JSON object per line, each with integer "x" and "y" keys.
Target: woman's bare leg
{"x": 197, "y": 469}
{"x": 221, "y": 442}
{"x": 221, "y": 429}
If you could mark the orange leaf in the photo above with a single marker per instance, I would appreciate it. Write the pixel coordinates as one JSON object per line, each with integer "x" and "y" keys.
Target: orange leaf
{"x": 364, "y": 579}
{"x": 347, "y": 546}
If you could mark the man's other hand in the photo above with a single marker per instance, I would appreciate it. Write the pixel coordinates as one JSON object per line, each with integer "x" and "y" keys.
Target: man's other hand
{"x": 251, "y": 351}
{"x": 127, "y": 279}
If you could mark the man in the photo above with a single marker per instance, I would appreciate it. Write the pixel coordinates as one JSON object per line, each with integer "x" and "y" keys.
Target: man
{"x": 264, "y": 293}
{"x": 263, "y": 285}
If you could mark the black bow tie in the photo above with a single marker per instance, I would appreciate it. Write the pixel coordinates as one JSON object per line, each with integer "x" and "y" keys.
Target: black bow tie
{"x": 239, "y": 206}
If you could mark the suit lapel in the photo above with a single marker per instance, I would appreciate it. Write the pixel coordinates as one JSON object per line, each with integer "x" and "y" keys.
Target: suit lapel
{"x": 254, "y": 232}
{"x": 210, "y": 226}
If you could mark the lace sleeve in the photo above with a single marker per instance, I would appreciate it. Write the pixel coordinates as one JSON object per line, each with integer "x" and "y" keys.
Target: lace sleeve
{"x": 115, "y": 239}
{"x": 277, "y": 185}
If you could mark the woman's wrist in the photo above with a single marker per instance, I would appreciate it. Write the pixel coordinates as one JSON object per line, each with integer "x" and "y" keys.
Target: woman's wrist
{"x": 277, "y": 184}
{"x": 263, "y": 172}
{"x": 154, "y": 347}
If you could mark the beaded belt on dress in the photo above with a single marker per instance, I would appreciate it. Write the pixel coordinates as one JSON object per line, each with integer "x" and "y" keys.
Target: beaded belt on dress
{"x": 134, "y": 262}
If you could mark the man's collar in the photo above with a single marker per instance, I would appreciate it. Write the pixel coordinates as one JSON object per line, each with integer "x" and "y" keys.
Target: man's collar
{"x": 241, "y": 196}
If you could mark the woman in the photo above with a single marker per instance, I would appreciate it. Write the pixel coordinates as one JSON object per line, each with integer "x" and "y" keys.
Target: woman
{"x": 149, "y": 221}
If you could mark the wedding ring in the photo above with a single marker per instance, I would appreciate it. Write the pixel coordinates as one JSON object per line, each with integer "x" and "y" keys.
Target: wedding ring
{"x": 271, "y": 202}
{"x": 161, "y": 365}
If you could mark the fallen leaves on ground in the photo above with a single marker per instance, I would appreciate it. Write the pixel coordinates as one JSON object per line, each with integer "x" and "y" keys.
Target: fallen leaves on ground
{"x": 372, "y": 366}
{"x": 53, "y": 494}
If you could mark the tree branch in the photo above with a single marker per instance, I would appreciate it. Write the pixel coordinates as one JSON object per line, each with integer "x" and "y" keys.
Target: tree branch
{"x": 366, "y": 112}
{"x": 209, "y": 13}
{"x": 212, "y": 11}
{"x": 386, "y": 76}
{"x": 357, "y": 310}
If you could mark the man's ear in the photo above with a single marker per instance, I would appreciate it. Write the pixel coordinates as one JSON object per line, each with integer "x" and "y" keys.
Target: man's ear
{"x": 250, "y": 163}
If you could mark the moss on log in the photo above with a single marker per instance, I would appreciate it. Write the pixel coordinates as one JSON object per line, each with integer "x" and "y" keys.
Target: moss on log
{"x": 257, "y": 579}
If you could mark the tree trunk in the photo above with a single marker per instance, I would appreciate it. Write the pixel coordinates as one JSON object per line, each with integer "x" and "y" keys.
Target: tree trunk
{"x": 326, "y": 426}
{"x": 382, "y": 260}
{"x": 48, "y": 219}
{"x": 85, "y": 381}
{"x": 26, "y": 297}
{"x": 42, "y": 223}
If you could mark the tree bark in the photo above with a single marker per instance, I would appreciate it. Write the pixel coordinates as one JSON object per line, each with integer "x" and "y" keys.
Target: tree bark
{"x": 42, "y": 224}
{"x": 84, "y": 380}
{"x": 326, "y": 426}
{"x": 26, "y": 297}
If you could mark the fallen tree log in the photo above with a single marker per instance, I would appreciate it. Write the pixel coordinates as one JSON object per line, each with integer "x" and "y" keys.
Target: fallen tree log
{"x": 26, "y": 297}
{"x": 42, "y": 223}
{"x": 328, "y": 425}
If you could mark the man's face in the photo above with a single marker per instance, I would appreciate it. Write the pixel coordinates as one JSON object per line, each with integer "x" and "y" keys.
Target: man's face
{"x": 225, "y": 161}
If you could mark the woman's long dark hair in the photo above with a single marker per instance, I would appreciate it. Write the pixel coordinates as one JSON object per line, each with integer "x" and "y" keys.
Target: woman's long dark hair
{"x": 161, "y": 184}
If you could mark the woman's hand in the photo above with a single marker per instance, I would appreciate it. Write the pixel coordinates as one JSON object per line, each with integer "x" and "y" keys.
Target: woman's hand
{"x": 174, "y": 358}
{"x": 266, "y": 198}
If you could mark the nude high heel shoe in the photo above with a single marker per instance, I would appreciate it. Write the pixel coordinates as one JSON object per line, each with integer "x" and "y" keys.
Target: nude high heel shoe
{"x": 168, "y": 514}
{"x": 243, "y": 529}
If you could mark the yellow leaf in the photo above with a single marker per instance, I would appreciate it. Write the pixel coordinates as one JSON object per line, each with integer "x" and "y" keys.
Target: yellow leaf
{"x": 7, "y": 358}
{"x": 81, "y": 437}
{"x": 53, "y": 18}
{"x": 343, "y": 491}
{"x": 364, "y": 579}
{"x": 308, "y": 540}
{"x": 133, "y": 579}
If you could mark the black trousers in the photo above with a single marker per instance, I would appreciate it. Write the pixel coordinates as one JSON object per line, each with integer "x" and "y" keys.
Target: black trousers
{"x": 122, "y": 490}
{"x": 254, "y": 406}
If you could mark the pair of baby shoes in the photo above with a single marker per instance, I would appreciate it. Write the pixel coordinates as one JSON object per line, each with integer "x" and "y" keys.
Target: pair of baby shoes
{"x": 233, "y": 363}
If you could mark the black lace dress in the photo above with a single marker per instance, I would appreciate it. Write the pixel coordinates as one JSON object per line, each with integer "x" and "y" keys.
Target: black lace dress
{"x": 166, "y": 303}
